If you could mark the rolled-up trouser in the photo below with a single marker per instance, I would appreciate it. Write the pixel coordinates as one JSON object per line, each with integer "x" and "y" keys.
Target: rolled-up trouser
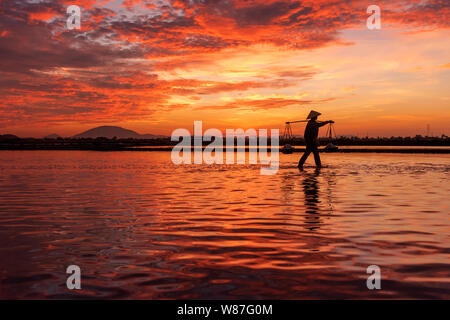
{"x": 309, "y": 149}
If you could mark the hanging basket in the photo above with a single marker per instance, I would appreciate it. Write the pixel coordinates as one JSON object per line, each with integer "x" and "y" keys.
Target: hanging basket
{"x": 330, "y": 147}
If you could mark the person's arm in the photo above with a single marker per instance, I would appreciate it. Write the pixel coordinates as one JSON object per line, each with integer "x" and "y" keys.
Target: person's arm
{"x": 321, "y": 124}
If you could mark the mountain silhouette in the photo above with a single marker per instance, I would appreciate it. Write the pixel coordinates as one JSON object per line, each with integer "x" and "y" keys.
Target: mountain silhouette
{"x": 113, "y": 131}
{"x": 52, "y": 136}
{"x": 8, "y": 137}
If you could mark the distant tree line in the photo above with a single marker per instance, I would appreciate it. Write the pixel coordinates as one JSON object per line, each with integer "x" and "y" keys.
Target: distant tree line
{"x": 13, "y": 142}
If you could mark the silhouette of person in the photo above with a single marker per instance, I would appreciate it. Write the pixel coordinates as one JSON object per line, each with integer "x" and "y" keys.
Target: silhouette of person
{"x": 311, "y": 134}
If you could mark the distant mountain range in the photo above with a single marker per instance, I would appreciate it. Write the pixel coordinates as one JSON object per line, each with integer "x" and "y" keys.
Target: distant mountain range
{"x": 52, "y": 136}
{"x": 8, "y": 137}
{"x": 113, "y": 131}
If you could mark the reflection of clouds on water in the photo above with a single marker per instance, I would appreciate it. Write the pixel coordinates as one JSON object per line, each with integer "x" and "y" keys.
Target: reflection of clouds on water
{"x": 141, "y": 227}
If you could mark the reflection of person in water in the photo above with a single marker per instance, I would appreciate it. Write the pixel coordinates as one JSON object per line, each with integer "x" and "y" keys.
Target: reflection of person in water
{"x": 315, "y": 210}
{"x": 311, "y": 190}
{"x": 311, "y": 134}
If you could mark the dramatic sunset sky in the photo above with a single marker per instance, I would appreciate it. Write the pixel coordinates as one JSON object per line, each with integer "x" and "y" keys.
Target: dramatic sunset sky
{"x": 154, "y": 66}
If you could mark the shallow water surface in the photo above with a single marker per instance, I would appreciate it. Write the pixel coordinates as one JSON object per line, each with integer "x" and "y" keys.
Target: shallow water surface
{"x": 139, "y": 226}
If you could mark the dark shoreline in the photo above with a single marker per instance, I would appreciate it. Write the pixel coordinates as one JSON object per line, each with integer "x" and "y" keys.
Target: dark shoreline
{"x": 169, "y": 148}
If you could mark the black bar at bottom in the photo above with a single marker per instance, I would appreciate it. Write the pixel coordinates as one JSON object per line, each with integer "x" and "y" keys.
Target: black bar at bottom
{"x": 224, "y": 309}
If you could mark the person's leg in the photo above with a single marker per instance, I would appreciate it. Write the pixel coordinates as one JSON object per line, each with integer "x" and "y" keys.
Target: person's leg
{"x": 317, "y": 158}
{"x": 304, "y": 157}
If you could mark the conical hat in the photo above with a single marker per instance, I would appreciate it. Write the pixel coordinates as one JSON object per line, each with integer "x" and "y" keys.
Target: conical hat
{"x": 313, "y": 114}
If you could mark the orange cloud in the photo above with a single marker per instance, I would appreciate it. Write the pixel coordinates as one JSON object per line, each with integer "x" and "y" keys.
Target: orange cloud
{"x": 136, "y": 60}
